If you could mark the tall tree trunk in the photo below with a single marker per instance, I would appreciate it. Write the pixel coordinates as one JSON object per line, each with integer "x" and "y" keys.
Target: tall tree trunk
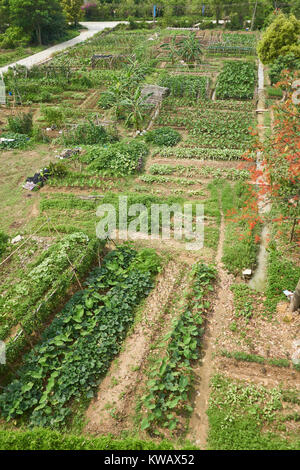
{"x": 39, "y": 34}
{"x": 295, "y": 303}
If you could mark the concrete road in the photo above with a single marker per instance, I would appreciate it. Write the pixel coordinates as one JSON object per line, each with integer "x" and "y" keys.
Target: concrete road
{"x": 93, "y": 28}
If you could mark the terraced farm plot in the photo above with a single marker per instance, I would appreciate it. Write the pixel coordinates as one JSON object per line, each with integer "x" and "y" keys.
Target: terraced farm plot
{"x": 139, "y": 335}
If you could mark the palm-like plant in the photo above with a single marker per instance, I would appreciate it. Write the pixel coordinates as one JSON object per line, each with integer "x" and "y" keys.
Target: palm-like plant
{"x": 172, "y": 49}
{"x": 189, "y": 49}
{"x": 135, "y": 106}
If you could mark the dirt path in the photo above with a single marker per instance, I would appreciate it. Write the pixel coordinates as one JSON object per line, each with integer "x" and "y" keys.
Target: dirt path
{"x": 224, "y": 301}
{"x": 114, "y": 404}
{"x": 36, "y": 59}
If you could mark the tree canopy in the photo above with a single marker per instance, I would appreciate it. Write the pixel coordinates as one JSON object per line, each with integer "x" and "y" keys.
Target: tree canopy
{"x": 43, "y": 19}
{"x": 72, "y": 10}
{"x": 280, "y": 38}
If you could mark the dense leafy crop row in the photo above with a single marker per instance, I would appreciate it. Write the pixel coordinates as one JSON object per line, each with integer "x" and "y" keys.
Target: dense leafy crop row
{"x": 206, "y": 171}
{"x": 186, "y": 85}
{"x": 164, "y": 136}
{"x": 77, "y": 348}
{"x": 172, "y": 103}
{"x": 210, "y": 118}
{"x": 200, "y": 153}
{"x": 30, "y": 301}
{"x": 122, "y": 158}
{"x": 171, "y": 378}
{"x": 237, "y": 80}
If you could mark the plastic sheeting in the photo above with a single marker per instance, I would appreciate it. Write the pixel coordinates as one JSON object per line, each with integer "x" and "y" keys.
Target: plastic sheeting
{"x": 2, "y": 91}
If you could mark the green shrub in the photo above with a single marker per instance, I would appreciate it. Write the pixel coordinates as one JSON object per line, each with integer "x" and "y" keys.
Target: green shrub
{"x": 21, "y": 124}
{"x": 59, "y": 170}
{"x": 163, "y": 136}
{"x": 289, "y": 61}
{"x": 13, "y": 37}
{"x": 106, "y": 100}
{"x": 3, "y": 242}
{"x": 53, "y": 115}
{"x": 88, "y": 133}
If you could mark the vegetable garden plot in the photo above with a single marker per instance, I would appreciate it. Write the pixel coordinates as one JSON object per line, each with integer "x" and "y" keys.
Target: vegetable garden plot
{"x": 33, "y": 299}
{"x": 77, "y": 348}
{"x": 237, "y": 80}
{"x": 166, "y": 400}
{"x": 199, "y": 153}
{"x": 191, "y": 171}
{"x": 186, "y": 85}
{"x": 211, "y": 128}
{"x": 116, "y": 42}
{"x": 184, "y": 102}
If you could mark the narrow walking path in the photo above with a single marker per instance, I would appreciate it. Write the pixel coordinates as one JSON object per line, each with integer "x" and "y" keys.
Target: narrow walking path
{"x": 258, "y": 281}
{"x": 199, "y": 425}
{"x": 36, "y": 59}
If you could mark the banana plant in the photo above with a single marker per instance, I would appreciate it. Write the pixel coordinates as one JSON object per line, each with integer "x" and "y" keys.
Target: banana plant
{"x": 135, "y": 107}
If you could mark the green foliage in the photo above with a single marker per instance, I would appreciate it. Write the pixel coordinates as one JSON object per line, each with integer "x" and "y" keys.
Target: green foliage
{"x": 14, "y": 36}
{"x": 200, "y": 153}
{"x": 88, "y": 133}
{"x": 163, "y": 136}
{"x": 206, "y": 171}
{"x": 15, "y": 141}
{"x": 280, "y": 38}
{"x": 53, "y": 115}
{"x": 282, "y": 274}
{"x": 43, "y": 20}
{"x": 46, "y": 439}
{"x": 72, "y": 10}
{"x": 78, "y": 346}
{"x": 239, "y": 415}
{"x": 283, "y": 62}
{"x": 21, "y": 124}
{"x": 243, "y": 301}
{"x": 171, "y": 377}
{"x": 40, "y": 289}
{"x": 58, "y": 170}
{"x": 3, "y": 242}
{"x": 237, "y": 80}
{"x": 242, "y": 356}
{"x": 187, "y": 48}
{"x": 240, "y": 246}
{"x": 185, "y": 85}
{"x": 274, "y": 92}
{"x": 122, "y": 158}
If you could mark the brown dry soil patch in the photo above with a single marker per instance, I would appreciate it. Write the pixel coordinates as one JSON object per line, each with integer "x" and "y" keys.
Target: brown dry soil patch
{"x": 260, "y": 374}
{"x": 271, "y": 338}
{"x": 113, "y": 410}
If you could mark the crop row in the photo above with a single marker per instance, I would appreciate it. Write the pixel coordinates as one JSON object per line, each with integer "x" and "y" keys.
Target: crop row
{"x": 212, "y": 118}
{"x": 237, "y": 80}
{"x": 199, "y": 153}
{"x": 176, "y": 103}
{"x": 171, "y": 377}
{"x": 29, "y": 302}
{"x": 186, "y": 85}
{"x": 77, "y": 348}
{"x": 187, "y": 171}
